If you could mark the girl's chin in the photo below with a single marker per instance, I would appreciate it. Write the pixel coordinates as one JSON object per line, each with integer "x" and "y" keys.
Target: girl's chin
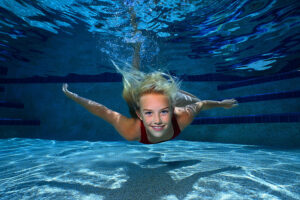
{"x": 157, "y": 133}
{"x": 156, "y": 136}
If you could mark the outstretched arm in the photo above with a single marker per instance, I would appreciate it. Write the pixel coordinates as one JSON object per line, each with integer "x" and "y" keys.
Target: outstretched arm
{"x": 185, "y": 115}
{"x": 121, "y": 123}
{"x": 92, "y": 106}
{"x": 184, "y": 99}
{"x": 226, "y": 103}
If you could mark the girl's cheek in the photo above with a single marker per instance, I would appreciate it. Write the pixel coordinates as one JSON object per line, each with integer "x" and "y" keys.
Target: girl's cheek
{"x": 148, "y": 119}
{"x": 165, "y": 118}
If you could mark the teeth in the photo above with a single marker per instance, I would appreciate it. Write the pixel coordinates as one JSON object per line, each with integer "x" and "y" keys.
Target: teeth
{"x": 157, "y": 127}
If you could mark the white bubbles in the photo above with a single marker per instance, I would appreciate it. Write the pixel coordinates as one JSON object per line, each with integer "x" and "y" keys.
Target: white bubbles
{"x": 135, "y": 38}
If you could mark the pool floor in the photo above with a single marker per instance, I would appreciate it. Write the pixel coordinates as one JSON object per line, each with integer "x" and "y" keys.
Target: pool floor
{"x": 47, "y": 169}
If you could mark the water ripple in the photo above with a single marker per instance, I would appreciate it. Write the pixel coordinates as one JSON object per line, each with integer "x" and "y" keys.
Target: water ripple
{"x": 174, "y": 170}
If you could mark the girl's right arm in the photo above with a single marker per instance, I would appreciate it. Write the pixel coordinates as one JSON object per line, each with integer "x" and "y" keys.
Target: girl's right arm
{"x": 125, "y": 126}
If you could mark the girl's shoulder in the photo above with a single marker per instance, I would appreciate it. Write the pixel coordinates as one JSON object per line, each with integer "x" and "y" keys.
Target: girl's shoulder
{"x": 183, "y": 117}
{"x": 129, "y": 128}
{"x": 134, "y": 129}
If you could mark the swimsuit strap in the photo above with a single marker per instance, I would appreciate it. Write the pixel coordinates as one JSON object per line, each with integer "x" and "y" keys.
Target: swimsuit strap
{"x": 144, "y": 138}
{"x": 175, "y": 127}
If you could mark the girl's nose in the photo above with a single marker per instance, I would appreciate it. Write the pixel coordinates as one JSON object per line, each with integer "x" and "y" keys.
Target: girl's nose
{"x": 156, "y": 119}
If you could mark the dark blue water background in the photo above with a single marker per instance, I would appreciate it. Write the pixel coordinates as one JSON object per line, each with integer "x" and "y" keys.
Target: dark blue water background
{"x": 222, "y": 42}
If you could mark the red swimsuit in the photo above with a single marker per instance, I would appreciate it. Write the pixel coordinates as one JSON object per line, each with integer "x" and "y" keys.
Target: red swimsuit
{"x": 144, "y": 138}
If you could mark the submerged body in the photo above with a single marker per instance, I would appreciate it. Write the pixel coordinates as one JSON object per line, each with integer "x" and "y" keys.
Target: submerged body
{"x": 159, "y": 109}
{"x": 155, "y": 111}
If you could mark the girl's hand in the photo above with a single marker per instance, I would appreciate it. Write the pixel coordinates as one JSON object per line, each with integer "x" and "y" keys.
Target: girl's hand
{"x": 65, "y": 88}
{"x": 67, "y": 92}
{"x": 229, "y": 103}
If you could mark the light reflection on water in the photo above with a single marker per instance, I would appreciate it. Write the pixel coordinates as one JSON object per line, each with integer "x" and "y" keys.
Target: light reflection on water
{"x": 239, "y": 36}
{"x": 43, "y": 169}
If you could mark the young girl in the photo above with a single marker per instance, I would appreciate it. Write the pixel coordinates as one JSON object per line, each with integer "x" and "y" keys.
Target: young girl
{"x": 159, "y": 110}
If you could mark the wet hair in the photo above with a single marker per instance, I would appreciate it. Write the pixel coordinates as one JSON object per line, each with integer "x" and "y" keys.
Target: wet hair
{"x": 137, "y": 83}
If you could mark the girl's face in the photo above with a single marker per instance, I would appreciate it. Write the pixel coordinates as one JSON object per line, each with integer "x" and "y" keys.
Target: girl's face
{"x": 155, "y": 112}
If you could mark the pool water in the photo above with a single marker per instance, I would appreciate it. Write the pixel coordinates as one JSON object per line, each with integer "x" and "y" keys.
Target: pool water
{"x": 63, "y": 152}
{"x": 47, "y": 169}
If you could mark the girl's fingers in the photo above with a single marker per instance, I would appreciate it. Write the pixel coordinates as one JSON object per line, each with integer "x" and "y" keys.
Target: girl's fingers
{"x": 65, "y": 87}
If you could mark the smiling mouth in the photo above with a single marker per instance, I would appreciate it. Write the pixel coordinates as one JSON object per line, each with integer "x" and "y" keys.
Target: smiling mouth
{"x": 157, "y": 128}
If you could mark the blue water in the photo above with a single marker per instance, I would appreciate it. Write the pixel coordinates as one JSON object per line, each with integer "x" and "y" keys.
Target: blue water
{"x": 44, "y": 169}
{"x": 75, "y": 155}
{"x": 239, "y": 38}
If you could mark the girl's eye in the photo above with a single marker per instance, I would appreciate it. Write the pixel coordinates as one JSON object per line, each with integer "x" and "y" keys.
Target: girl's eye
{"x": 165, "y": 112}
{"x": 147, "y": 113}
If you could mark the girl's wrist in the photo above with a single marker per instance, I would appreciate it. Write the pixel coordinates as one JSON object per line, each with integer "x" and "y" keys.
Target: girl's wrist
{"x": 71, "y": 94}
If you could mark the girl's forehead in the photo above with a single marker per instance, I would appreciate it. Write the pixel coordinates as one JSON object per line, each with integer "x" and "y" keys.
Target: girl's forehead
{"x": 154, "y": 96}
{"x": 154, "y": 99}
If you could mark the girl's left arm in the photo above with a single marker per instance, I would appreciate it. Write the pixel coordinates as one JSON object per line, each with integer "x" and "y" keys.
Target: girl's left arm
{"x": 226, "y": 103}
{"x": 185, "y": 115}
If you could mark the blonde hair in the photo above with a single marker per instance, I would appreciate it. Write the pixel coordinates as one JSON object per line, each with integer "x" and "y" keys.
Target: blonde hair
{"x": 137, "y": 83}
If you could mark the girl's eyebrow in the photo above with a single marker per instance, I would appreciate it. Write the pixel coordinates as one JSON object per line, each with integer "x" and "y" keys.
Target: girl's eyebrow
{"x": 151, "y": 110}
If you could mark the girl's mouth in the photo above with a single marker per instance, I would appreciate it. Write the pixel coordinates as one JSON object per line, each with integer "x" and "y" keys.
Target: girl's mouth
{"x": 157, "y": 128}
